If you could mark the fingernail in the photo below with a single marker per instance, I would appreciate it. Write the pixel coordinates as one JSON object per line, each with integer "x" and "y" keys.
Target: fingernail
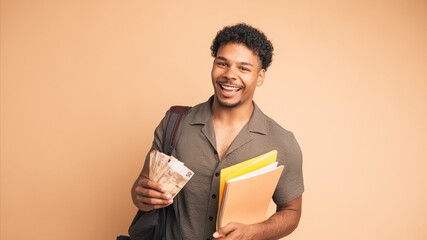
{"x": 215, "y": 235}
{"x": 168, "y": 196}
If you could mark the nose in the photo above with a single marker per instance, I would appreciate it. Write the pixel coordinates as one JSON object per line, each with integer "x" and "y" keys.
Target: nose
{"x": 230, "y": 73}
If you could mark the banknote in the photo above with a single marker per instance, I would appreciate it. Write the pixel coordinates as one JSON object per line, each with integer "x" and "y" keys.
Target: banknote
{"x": 158, "y": 164}
{"x": 168, "y": 171}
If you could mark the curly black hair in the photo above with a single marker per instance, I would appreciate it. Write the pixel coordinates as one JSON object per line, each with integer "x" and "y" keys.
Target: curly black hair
{"x": 251, "y": 37}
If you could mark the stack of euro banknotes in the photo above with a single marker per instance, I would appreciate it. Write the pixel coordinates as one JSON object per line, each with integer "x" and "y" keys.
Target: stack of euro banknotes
{"x": 169, "y": 172}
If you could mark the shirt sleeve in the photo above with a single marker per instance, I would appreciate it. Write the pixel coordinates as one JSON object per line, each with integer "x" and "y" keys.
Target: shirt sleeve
{"x": 291, "y": 183}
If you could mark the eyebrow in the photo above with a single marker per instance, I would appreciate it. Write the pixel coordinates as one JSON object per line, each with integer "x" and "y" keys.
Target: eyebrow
{"x": 225, "y": 59}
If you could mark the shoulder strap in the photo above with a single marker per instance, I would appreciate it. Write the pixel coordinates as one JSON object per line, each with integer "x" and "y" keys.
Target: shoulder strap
{"x": 176, "y": 113}
{"x": 173, "y": 122}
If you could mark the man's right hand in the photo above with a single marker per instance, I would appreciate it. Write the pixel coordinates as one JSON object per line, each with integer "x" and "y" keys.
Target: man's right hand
{"x": 148, "y": 195}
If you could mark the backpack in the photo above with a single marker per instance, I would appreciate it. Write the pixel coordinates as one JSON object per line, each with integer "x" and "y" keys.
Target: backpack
{"x": 152, "y": 224}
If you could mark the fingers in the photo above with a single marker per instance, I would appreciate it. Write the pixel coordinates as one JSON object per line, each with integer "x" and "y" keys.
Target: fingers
{"x": 147, "y": 183}
{"x": 224, "y": 231}
{"x": 217, "y": 235}
{"x": 149, "y": 195}
{"x": 150, "y": 188}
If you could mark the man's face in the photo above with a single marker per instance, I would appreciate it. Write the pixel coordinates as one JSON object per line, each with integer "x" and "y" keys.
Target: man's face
{"x": 236, "y": 72}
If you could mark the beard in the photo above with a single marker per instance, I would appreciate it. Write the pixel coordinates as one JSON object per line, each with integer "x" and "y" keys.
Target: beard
{"x": 227, "y": 104}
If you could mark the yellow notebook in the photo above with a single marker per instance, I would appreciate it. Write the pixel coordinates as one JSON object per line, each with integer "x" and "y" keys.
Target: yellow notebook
{"x": 243, "y": 168}
{"x": 246, "y": 198}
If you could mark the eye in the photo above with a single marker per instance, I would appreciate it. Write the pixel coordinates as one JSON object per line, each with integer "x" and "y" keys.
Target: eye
{"x": 221, "y": 64}
{"x": 244, "y": 69}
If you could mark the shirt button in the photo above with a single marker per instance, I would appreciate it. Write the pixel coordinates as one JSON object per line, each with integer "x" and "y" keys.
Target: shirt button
{"x": 217, "y": 174}
{"x": 210, "y": 218}
{"x": 213, "y": 196}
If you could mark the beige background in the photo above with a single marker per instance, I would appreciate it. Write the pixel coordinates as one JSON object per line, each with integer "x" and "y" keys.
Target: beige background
{"x": 84, "y": 83}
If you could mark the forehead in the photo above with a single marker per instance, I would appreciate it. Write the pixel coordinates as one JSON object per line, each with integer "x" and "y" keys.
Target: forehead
{"x": 238, "y": 52}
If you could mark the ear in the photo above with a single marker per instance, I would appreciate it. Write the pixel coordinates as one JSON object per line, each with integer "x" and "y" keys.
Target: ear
{"x": 261, "y": 77}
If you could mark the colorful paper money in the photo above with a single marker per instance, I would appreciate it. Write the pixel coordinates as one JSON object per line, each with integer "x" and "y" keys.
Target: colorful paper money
{"x": 168, "y": 171}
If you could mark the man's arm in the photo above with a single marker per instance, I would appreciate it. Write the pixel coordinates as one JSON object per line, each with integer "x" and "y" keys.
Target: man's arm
{"x": 279, "y": 225}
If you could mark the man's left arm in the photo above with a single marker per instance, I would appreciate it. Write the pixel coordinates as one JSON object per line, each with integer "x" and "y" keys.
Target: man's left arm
{"x": 280, "y": 224}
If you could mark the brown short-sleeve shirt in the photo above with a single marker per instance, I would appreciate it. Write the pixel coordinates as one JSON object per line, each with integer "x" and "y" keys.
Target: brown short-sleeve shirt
{"x": 197, "y": 204}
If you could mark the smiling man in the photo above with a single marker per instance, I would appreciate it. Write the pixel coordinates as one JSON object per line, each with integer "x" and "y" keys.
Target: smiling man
{"x": 225, "y": 130}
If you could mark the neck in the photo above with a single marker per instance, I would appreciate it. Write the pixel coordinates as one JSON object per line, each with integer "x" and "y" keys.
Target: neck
{"x": 233, "y": 115}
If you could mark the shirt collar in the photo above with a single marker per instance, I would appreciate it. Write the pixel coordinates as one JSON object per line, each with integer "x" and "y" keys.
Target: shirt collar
{"x": 257, "y": 123}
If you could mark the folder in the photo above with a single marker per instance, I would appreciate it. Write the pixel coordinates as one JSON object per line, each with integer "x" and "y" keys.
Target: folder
{"x": 246, "y": 199}
{"x": 246, "y": 189}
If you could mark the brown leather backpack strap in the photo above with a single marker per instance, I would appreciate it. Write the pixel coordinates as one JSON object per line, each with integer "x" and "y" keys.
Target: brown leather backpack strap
{"x": 176, "y": 114}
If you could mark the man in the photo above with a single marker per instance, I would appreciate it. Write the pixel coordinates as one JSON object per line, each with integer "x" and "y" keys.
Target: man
{"x": 225, "y": 130}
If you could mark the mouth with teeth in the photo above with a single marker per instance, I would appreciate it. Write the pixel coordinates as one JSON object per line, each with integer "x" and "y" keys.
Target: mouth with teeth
{"x": 229, "y": 89}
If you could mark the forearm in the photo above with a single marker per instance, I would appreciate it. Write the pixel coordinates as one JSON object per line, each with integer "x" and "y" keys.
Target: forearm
{"x": 281, "y": 223}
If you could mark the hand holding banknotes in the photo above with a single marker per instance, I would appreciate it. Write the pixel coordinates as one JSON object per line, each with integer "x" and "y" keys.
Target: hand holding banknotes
{"x": 159, "y": 182}
{"x": 149, "y": 195}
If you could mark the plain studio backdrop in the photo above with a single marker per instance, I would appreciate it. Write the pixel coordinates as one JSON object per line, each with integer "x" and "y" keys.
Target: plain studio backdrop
{"x": 84, "y": 83}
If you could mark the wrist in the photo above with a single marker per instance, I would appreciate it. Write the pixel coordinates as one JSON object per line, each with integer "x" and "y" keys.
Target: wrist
{"x": 258, "y": 231}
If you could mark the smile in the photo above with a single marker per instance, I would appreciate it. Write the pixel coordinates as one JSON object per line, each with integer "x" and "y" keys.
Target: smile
{"x": 229, "y": 88}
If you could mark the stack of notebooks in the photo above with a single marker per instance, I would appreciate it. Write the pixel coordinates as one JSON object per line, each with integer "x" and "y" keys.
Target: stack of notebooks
{"x": 246, "y": 189}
